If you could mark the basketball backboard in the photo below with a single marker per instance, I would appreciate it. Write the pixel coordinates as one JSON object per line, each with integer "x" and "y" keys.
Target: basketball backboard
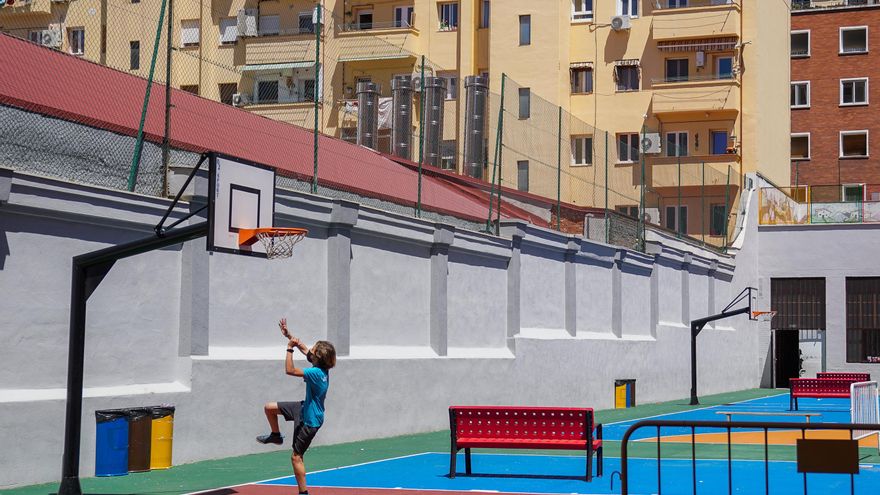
{"x": 241, "y": 195}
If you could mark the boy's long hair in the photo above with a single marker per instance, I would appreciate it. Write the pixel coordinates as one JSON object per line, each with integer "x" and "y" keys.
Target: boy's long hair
{"x": 324, "y": 355}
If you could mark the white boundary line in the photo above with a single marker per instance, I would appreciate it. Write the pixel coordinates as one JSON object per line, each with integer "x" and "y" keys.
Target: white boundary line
{"x": 687, "y": 411}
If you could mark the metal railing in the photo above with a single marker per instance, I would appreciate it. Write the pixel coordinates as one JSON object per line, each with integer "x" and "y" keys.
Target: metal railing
{"x": 819, "y": 204}
{"x": 727, "y": 426}
{"x": 840, "y": 4}
{"x": 683, "y": 4}
{"x": 368, "y": 26}
{"x": 692, "y": 78}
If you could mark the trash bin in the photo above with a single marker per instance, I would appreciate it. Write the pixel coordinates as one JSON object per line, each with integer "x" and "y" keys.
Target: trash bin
{"x": 111, "y": 443}
{"x": 140, "y": 422}
{"x": 624, "y": 393}
{"x": 161, "y": 437}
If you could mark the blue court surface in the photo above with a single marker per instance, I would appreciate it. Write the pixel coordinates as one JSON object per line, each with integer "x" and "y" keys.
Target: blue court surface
{"x": 503, "y": 473}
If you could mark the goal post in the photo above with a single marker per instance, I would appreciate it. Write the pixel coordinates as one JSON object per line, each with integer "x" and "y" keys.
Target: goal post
{"x": 864, "y": 408}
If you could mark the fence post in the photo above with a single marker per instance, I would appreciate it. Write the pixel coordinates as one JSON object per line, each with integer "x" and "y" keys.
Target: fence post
{"x": 607, "y": 216}
{"x": 559, "y": 170}
{"x": 421, "y": 136}
{"x": 641, "y": 234}
{"x": 166, "y": 138}
{"x": 727, "y": 207}
{"x": 496, "y": 167}
{"x": 703, "y": 203}
{"x": 139, "y": 144}
{"x": 679, "y": 230}
{"x": 318, "y": 85}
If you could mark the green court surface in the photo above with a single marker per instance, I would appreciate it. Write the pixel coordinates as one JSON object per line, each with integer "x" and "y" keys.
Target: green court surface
{"x": 244, "y": 469}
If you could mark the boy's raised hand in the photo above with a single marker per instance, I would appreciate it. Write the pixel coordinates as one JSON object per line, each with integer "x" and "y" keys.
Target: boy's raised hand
{"x": 282, "y": 324}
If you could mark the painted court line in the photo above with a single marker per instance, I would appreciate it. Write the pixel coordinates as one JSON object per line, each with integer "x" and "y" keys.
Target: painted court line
{"x": 692, "y": 410}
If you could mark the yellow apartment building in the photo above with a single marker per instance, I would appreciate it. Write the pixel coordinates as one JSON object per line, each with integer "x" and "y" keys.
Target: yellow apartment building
{"x": 705, "y": 81}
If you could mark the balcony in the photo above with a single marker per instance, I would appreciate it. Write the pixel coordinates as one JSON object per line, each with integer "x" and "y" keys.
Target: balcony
{"x": 296, "y": 44}
{"x": 26, "y": 7}
{"x": 701, "y": 170}
{"x": 711, "y": 94}
{"x": 374, "y": 41}
{"x": 699, "y": 19}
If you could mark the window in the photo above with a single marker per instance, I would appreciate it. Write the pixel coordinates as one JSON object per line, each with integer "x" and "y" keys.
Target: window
{"x": 451, "y": 79}
{"x": 853, "y": 193}
{"x": 628, "y": 7}
{"x": 228, "y": 30}
{"x": 308, "y": 90}
{"x": 448, "y": 16}
{"x": 581, "y": 10}
{"x": 854, "y": 39}
{"x": 677, "y": 143}
{"x": 485, "y": 14}
{"x": 676, "y": 219}
{"x": 134, "y": 55}
{"x": 581, "y": 80}
{"x": 630, "y": 211}
{"x": 853, "y": 144}
{"x": 189, "y": 32}
{"x": 363, "y": 19}
{"x": 270, "y": 25}
{"x": 525, "y": 110}
{"x": 800, "y": 146}
{"x": 582, "y": 150}
{"x": 226, "y": 92}
{"x": 627, "y": 77}
{"x": 447, "y": 154}
{"x": 190, "y": 88}
{"x": 267, "y": 91}
{"x": 676, "y": 4}
{"x": 719, "y": 142}
{"x": 800, "y": 43}
{"x": 800, "y": 94}
{"x": 854, "y": 91}
{"x": 306, "y": 23}
{"x": 525, "y": 30}
{"x": 627, "y": 148}
{"x": 863, "y": 320}
{"x": 77, "y": 37}
{"x": 724, "y": 67}
{"x": 522, "y": 175}
{"x": 403, "y": 16}
{"x": 717, "y": 219}
{"x": 676, "y": 69}
{"x": 34, "y": 36}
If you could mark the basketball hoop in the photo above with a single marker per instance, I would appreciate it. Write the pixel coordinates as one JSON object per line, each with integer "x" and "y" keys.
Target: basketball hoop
{"x": 278, "y": 242}
{"x": 763, "y": 315}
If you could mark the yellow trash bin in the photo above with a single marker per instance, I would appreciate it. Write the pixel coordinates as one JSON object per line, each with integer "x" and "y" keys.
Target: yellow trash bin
{"x": 161, "y": 437}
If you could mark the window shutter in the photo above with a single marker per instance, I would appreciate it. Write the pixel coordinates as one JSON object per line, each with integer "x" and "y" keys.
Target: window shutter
{"x": 189, "y": 32}
{"x": 270, "y": 24}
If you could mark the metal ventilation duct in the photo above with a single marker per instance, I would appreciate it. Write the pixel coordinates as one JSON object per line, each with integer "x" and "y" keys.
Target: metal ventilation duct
{"x": 435, "y": 96}
{"x": 401, "y": 118}
{"x": 476, "y": 99}
{"x": 368, "y": 114}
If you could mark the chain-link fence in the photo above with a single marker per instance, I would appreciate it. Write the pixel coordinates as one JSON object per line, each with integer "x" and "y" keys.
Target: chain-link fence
{"x": 321, "y": 69}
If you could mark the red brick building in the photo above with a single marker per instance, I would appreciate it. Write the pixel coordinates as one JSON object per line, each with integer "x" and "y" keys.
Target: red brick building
{"x": 835, "y": 97}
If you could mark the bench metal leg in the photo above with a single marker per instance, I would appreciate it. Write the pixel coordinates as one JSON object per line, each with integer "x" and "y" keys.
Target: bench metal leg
{"x": 467, "y": 461}
{"x": 599, "y": 460}
{"x": 589, "y": 465}
{"x": 452, "y": 455}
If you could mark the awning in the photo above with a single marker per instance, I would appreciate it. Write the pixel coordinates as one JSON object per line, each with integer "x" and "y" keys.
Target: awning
{"x": 627, "y": 62}
{"x": 289, "y": 65}
{"x": 581, "y": 65}
{"x": 699, "y": 45}
{"x": 384, "y": 56}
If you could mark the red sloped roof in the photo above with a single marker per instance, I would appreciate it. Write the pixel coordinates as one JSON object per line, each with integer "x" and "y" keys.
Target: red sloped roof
{"x": 67, "y": 87}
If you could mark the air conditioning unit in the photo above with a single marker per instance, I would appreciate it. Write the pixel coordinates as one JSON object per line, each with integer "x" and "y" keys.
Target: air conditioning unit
{"x": 246, "y": 23}
{"x": 701, "y": 59}
{"x": 240, "y": 99}
{"x": 651, "y": 143}
{"x": 50, "y": 38}
{"x": 620, "y": 22}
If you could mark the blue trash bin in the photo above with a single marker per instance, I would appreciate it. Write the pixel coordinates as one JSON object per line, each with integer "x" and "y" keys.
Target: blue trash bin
{"x": 111, "y": 443}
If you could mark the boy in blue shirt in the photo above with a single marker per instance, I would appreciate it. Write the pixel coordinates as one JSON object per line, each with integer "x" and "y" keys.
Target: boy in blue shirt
{"x": 308, "y": 415}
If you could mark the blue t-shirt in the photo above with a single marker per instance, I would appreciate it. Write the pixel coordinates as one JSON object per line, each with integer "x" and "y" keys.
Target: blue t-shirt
{"x": 317, "y": 381}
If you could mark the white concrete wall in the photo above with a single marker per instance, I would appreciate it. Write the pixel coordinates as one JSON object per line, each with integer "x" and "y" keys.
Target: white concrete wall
{"x": 424, "y": 306}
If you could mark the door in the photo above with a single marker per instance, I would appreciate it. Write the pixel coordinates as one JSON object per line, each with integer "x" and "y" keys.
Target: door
{"x": 786, "y": 345}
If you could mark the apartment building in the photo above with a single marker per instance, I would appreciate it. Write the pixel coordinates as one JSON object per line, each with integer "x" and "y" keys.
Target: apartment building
{"x": 834, "y": 65}
{"x": 703, "y": 80}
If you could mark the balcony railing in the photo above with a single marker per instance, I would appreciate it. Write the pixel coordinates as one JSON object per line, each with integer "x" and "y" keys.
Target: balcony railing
{"x": 248, "y": 100}
{"x": 684, "y": 4}
{"x": 820, "y": 205}
{"x": 689, "y": 78}
{"x": 368, "y": 26}
{"x": 809, "y": 5}
{"x": 288, "y": 32}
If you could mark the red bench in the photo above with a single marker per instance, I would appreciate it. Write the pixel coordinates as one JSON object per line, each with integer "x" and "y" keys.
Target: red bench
{"x": 503, "y": 427}
{"x": 818, "y": 388}
{"x": 854, "y": 377}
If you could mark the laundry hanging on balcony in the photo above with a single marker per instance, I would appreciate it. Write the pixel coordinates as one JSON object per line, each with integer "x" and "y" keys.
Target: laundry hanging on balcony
{"x": 350, "y": 109}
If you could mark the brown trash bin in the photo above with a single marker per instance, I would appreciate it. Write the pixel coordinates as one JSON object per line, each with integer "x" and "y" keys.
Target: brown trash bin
{"x": 140, "y": 421}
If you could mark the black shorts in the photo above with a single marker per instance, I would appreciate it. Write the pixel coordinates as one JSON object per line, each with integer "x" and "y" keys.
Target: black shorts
{"x": 302, "y": 433}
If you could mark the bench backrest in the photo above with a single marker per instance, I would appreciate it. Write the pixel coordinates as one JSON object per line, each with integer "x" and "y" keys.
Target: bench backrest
{"x": 855, "y": 377}
{"x": 530, "y": 423}
{"x": 820, "y": 385}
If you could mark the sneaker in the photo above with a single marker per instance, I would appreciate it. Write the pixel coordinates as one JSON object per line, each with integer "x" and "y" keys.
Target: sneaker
{"x": 273, "y": 437}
